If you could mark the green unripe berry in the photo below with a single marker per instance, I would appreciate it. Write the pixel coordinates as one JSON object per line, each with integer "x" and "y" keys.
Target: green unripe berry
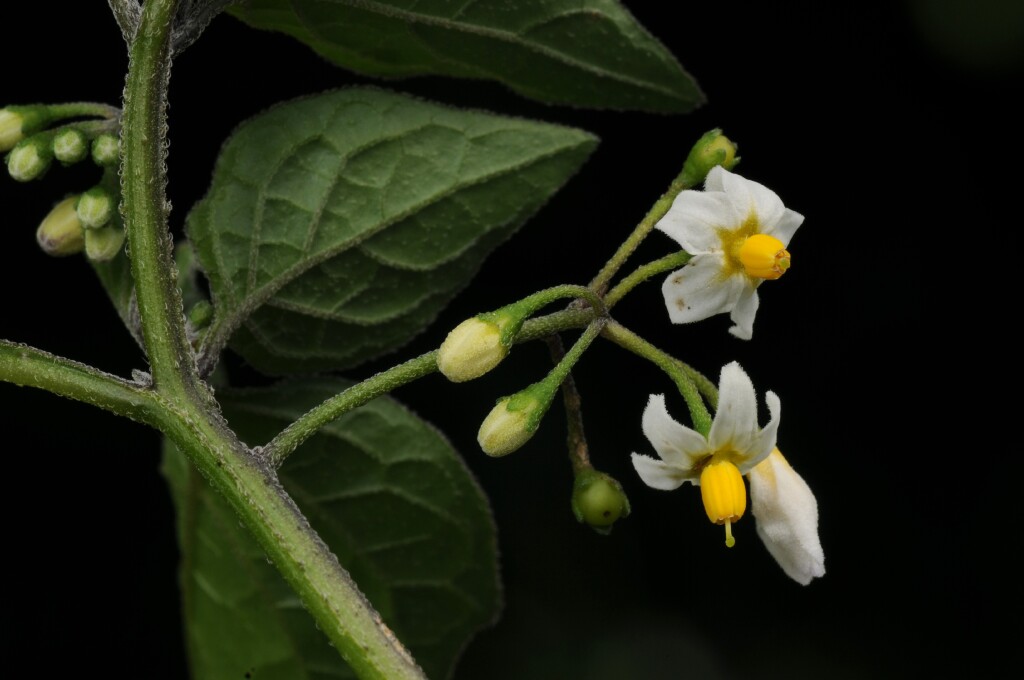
{"x": 598, "y": 500}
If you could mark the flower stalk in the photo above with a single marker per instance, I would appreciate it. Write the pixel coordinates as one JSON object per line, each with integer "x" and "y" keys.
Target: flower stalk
{"x": 675, "y": 369}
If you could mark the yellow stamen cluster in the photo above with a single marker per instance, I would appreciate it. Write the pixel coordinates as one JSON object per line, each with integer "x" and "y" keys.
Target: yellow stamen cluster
{"x": 764, "y": 257}
{"x": 724, "y": 495}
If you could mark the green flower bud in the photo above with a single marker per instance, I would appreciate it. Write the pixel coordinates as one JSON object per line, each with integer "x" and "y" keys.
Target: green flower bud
{"x": 95, "y": 207}
{"x": 11, "y": 131}
{"x": 17, "y": 122}
{"x": 105, "y": 150}
{"x": 60, "y": 232}
{"x": 598, "y": 500}
{"x": 29, "y": 159}
{"x": 70, "y": 146}
{"x": 479, "y": 344}
{"x": 473, "y": 348}
{"x": 104, "y": 243}
{"x": 512, "y": 422}
{"x": 712, "y": 149}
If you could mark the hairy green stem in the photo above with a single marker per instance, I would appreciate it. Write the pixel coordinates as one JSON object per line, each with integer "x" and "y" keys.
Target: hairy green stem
{"x": 284, "y": 444}
{"x": 674, "y": 368}
{"x": 192, "y": 419}
{"x": 543, "y": 326}
{"x": 560, "y": 372}
{"x": 29, "y": 367}
{"x": 544, "y": 297}
{"x": 704, "y": 385}
{"x": 252, "y": 488}
{"x": 90, "y": 128}
{"x": 576, "y": 439}
{"x": 657, "y": 211}
{"x": 77, "y": 109}
{"x": 144, "y": 206}
{"x": 644, "y": 272}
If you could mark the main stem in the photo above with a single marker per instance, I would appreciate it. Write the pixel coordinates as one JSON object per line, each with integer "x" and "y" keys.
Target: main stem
{"x": 143, "y": 183}
{"x": 189, "y": 415}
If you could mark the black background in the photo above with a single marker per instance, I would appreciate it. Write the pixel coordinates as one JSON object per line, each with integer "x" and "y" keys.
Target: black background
{"x": 890, "y": 128}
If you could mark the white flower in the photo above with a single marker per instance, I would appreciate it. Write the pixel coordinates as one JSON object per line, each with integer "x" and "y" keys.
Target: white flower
{"x": 787, "y": 518}
{"x": 734, "y": 445}
{"x": 783, "y": 506}
{"x": 737, "y": 232}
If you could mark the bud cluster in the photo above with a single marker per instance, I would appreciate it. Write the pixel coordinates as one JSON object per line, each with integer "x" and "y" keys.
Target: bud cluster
{"x": 32, "y": 147}
{"x": 86, "y": 222}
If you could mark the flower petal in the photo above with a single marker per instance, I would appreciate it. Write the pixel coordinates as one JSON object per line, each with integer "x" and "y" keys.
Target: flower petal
{"x": 713, "y": 182}
{"x": 787, "y": 225}
{"x": 764, "y": 441}
{"x": 786, "y": 513}
{"x": 698, "y": 290}
{"x": 694, "y": 217}
{"x": 747, "y": 196}
{"x": 735, "y": 425}
{"x": 677, "y": 444}
{"x": 743, "y": 314}
{"x": 659, "y": 474}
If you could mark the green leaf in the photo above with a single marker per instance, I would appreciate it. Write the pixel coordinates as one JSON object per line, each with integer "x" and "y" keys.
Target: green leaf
{"x": 389, "y": 496}
{"x": 115, "y": 276}
{"x": 338, "y": 226}
{"x": 581, "y": 52}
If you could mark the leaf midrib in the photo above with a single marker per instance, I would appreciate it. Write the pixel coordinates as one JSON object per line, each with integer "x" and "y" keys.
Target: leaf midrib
{"x": 252, "y": 300}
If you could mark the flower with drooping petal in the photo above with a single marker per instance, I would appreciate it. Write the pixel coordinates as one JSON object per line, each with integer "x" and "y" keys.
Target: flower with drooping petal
{"x": 786, "y": 515}
{"x": 783, "y": 506}
{"x": 716, "y": 463}
{"x": 737, "y": 232}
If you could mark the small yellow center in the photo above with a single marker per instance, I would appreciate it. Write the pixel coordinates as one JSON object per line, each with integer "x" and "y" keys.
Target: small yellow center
{"x": 764, "y": 256}
{"x": 724, "y": 495}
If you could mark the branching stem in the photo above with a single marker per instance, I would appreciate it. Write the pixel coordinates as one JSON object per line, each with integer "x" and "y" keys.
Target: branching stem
{"x": 677, "y": 370}
{"x": 657, "y": 211}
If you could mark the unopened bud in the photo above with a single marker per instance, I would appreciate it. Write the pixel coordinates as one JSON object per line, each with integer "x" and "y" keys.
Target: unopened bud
{"x": 16, "y": 122}
{"x": 60, "y": 232}
{"x": 29, "y": 159}
{"x": 95, "y": 207}
{"x": 10, "y": 129}
{"x": 511, "y": 423}
{"x": 472, "y": 349}
{"x": 70, "y": 146}
{"x": 105, "y": 150}
{"x": 712, "y": 149}
{"x": 598, "y": 500}
{"x": 104, "y": 243}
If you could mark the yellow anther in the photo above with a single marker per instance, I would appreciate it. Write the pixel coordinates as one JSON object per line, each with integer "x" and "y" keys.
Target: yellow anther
{"x": 724, "y": 495}
{"x": 764, "y": 257}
